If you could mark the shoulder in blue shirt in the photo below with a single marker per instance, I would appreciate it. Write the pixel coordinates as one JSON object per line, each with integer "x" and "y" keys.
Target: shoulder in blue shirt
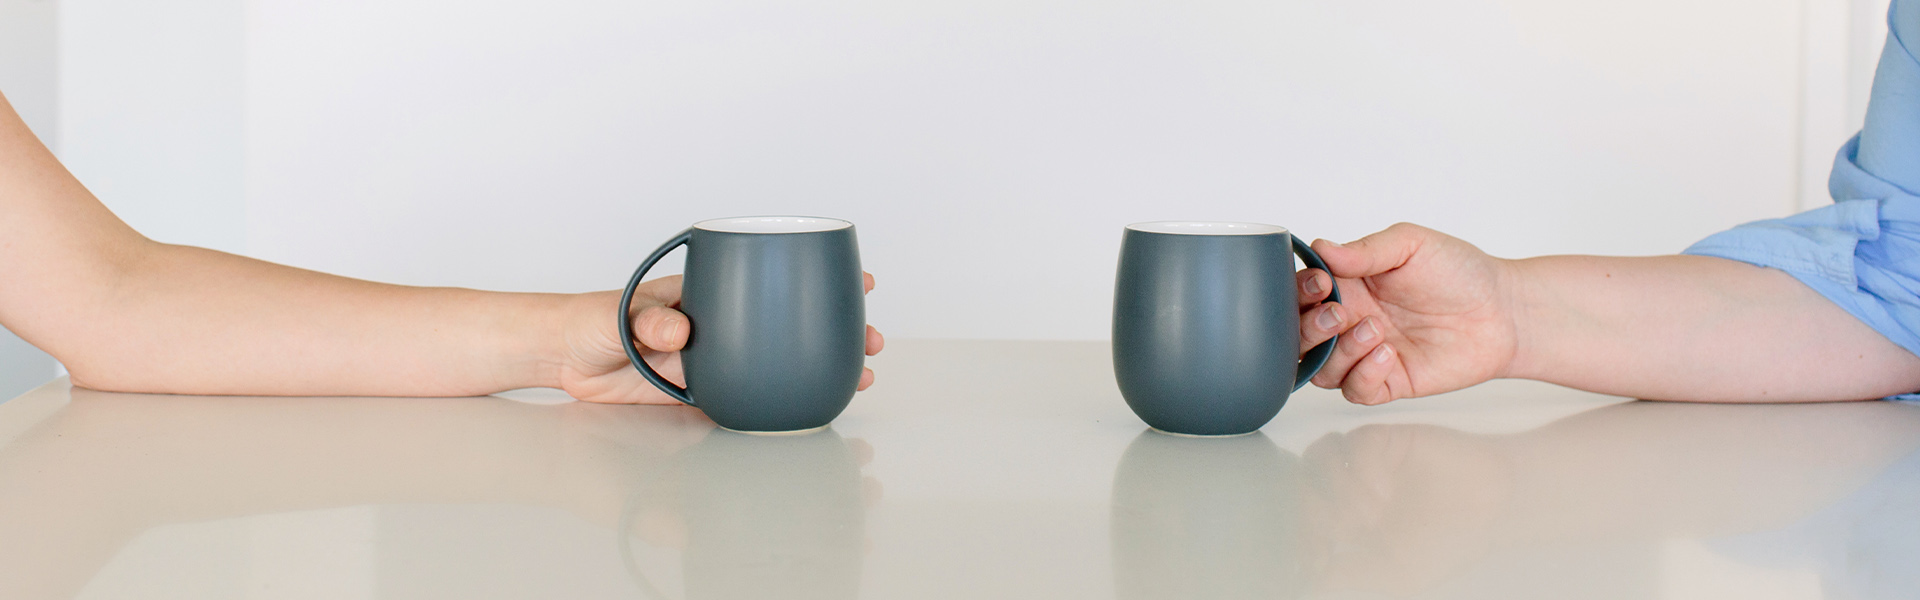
{"x": 1863, "y": 252}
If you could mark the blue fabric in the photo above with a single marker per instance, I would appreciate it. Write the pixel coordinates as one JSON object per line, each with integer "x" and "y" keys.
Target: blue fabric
{"x": 1863, "y": 252}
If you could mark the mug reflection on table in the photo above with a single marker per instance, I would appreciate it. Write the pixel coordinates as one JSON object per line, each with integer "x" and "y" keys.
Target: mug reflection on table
{"x": 1208, "y": 518}
{"x": 103, "y": 469}
{"x": 1408, "y": 509}
{"x": 767, "y": 517}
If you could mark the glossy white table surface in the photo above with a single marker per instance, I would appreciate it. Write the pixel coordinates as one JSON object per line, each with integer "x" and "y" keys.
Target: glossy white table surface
{"x": 973, "y": 470}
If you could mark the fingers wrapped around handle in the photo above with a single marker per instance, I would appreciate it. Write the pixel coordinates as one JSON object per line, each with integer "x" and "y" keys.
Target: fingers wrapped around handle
{"x": 627, "y": 340}
{"x": 1316, "y": 357}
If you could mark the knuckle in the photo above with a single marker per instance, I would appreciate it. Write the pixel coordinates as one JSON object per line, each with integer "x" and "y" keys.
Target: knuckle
{"x": 1352, "y": 395}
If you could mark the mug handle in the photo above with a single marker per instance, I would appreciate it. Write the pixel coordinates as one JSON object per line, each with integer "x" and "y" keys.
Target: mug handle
{"x": 1317, "y": 356}
{"x": 626, "y": 320}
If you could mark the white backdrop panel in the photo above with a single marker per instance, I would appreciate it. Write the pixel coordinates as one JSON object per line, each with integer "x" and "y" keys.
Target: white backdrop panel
{"x": 991, "y": 151}
{"x": 150, "y": 114}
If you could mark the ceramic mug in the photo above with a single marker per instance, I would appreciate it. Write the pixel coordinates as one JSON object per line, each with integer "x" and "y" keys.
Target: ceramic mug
{"x": 1206, "y": 325}
{"x": 779, "y": 325}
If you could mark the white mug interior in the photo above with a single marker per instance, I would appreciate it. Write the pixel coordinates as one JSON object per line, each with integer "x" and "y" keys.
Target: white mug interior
{"x": 1207, "y": 228}
{"x": 772, "y": 224}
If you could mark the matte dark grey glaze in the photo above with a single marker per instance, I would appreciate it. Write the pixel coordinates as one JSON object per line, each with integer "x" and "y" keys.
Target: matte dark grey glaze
{"x": 779, "y": 326}
{"x": 1206, "y": 329}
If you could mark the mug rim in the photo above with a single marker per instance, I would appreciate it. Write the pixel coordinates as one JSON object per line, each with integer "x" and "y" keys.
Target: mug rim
{"x": 1206, "y": 228}
{"x": 772, "y": 224}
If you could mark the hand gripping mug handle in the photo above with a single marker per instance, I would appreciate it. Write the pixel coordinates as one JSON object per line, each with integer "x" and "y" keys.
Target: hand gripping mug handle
{"x": 1316, "y": 357}
{"x": 626, "y": 320}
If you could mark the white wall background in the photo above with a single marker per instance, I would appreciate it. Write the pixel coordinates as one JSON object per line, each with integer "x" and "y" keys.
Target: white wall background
{"x": 151, "y": 113}
{"x": 1840, "y": 45}
{"x": 990, "y": 151}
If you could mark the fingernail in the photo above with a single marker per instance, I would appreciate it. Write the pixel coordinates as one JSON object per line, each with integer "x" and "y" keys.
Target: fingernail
{"x": 1328, "y": 319}
{"x": 1313, "y": 285}
{"x": 1382, "y": 355}
{"x": 668, "y": 330}
{"x": 1333, "y": 243}
{"x": 1366, "y": 332}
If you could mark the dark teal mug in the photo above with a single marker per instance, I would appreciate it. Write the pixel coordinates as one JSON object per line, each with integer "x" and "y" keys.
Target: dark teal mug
{"x": 1206, "y": 325}
{"x": 779, "y": 322}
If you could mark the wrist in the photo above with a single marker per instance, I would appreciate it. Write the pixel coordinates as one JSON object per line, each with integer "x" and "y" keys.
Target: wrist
{"x": 533, "y": 339}
{"x": 1525, "y": 297}
{"x": 572, "y": 322}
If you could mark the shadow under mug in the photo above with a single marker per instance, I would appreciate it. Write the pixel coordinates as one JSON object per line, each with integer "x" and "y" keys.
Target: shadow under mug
{"x": 779, "y": 327}
{"x": 1206, "y": 325}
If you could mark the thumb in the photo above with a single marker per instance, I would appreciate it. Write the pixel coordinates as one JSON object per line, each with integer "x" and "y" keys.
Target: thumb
{"x": 660, "y": 328}
{"x": 1375, "y": 254}
{"x": 656, "y": 324}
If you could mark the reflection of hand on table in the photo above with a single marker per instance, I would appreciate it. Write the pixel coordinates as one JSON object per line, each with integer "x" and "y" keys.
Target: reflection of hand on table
{"x": 1401, "y": 508}
{"x": 107, "y": 467}
{"x": 1416, "y": 501}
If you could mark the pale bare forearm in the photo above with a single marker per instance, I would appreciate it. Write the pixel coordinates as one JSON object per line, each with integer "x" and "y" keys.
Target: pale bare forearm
{"x": 1695, "y": 328}
{"x": 125, "y": 313}
{"x": 190, "y": 320}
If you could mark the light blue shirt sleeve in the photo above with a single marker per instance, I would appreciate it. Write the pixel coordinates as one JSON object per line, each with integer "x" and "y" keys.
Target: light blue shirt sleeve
{"x": 1863, "y": 252}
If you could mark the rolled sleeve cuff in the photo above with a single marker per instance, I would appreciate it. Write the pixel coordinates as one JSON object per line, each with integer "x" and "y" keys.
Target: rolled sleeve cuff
{"x": 1863, "y": 255}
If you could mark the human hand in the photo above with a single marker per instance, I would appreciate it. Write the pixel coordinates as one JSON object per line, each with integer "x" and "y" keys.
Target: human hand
{"x": 1422, "y": 313}
{"x": 595, "y": 368}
